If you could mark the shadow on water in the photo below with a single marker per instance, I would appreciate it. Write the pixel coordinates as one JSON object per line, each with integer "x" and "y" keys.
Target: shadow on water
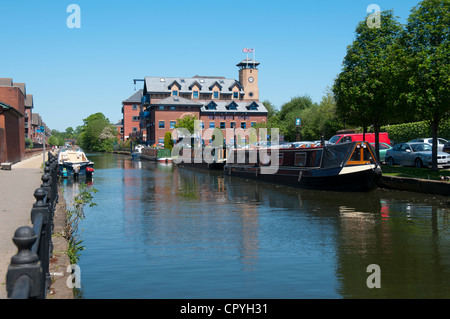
{"x": 200, "y": 234}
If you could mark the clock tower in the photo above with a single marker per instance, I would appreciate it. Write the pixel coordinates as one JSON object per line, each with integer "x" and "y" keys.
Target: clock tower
{"x": 248, "y": 77}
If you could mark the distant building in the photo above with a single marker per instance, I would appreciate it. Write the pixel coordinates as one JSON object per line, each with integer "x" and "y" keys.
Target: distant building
{"x": 131, "y": 108}
{"x": 216, "y": 101}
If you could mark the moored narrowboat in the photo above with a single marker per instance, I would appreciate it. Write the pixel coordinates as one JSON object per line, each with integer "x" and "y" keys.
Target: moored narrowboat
{"x": 339, "y": 167}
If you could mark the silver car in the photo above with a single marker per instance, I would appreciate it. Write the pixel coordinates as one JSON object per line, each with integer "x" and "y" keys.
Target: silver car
{"x": 429, "y": 140}
{"x": 415, "y": 154}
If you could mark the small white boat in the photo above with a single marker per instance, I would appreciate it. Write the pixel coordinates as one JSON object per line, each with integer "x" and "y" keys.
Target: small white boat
{"x": 73, "y": 161}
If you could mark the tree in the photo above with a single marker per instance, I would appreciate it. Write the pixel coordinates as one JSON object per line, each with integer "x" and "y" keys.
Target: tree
{"x": 271, "y": 109}
{"x": 361, "y": 88}
{"x": 424, "y": 52}
{"x": 97, "y": 133}
{"x": 289, "y": 112}
{"x": 186, "y": 122}
{"x": 168, "y": 141}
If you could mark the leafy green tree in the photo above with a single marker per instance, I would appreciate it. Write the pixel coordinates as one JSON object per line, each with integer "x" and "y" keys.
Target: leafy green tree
{"x": 168, "y": 141}
{"x": 361, "y": 88}
{"x": 186, "y": 122}
{"x": 423, "y": 67}
{"x": 271, "y": 109}
{"x": 98, "y": 134}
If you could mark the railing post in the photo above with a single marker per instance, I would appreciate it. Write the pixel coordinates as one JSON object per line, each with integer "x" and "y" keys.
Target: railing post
{"x": 25, "y": 269}
{"x": 45, "y": 251}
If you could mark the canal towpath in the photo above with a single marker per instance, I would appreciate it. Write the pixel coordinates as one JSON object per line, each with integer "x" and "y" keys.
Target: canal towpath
{"x": 17, "y": 187}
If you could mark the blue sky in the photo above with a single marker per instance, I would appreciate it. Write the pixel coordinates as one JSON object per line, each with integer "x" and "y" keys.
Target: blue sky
{"x": 73, "y": 73}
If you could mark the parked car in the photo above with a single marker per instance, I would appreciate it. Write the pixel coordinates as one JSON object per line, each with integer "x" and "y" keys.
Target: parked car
{"x": 384, "y": 147}
{"x": 446, "y": 148}
{"x": 415, "y": 154}
{"x": 368, "y": 137}
{"x": 429, "y": 140}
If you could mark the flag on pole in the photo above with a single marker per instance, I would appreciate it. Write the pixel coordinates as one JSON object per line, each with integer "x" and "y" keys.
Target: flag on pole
{"x": 248, "y": 50}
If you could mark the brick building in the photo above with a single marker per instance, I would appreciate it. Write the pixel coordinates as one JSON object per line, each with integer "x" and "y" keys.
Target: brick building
{"x": 13, "y": 95}
{"x": 131, "y": 108}
{"x": 216, "y": 101}
{"x": 10, "y": 147}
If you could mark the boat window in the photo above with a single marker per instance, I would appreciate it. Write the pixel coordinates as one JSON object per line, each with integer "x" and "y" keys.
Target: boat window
{"x": 280, "y": 159}
{"x": 300, "y": 159}
{"x": 361, "y": 155}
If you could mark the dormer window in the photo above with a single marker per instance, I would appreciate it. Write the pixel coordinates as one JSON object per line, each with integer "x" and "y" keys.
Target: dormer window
{"x": 216, "y": 94}
{"x": 252, "y": 106}
{"x": 235, "y": 95}
{"x": 231, "y": 106}
{"x": 175, "y": 93}
{"x": 195, "y": 94}
{"x": 211, "y": 106}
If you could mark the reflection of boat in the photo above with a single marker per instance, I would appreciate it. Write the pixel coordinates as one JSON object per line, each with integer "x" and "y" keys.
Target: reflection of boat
{"x": 341, "y": 167}
{"x": 136, "y": 154}
{"x": 195, "y": 155}
{"x": 165, "y": 160}
{"x": 73, "y": 162}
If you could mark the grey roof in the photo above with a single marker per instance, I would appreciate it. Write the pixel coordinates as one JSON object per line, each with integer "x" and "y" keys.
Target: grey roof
{"x": 35, "y": 119}
{"x": 6, "y": 82}
{"x": 241, "y": 107}
{"x": 21, "y": 86}
{"x": 156, "y": 84}
{"x": 135, "y": 98}
{"x": 176, "y": 100}
{"x": 29, "y": 101}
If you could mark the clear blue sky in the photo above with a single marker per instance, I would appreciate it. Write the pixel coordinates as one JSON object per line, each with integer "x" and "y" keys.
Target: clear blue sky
{"x": 73, "y": 73}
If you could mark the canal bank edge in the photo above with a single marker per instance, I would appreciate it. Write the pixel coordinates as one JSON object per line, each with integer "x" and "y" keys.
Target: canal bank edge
{"x": 60, "y": 260}
{"x": 417, "y": 185}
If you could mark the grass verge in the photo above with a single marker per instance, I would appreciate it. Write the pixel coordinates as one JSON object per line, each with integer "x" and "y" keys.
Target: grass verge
{"x": 413, "y": 172}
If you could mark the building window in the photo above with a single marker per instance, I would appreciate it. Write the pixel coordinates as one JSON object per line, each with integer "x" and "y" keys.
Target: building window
{"x": 175, "y": 93}
{"x": 161, "y": 141}
{"x": 172, "y": 108}
{"x": 212, "y": 125}
{"x": 161, "y": 124}
{"x": 172, "y": 124}
{"x": 161, "y": 107}
{"x": 222, "y": 125}
{"x": 202, "y": 125}
{"x": 235, "y": 95}
{"x": 195, "y": 95}
{"x": 216, "y": 94}
{"x": 243, "y": 125}
{"x": 136, "y": 119}
{"x": 135, "y": 129}
{"x": 232, "y": 124}
{"x": 135, "y": 107}
{"x": 253, "y": 123}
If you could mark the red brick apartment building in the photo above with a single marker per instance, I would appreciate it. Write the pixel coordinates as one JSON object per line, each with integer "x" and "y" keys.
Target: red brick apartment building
{"x": 16, "y": 117}
{"x": 131, "y": 108}
{"x": 216, "y": 101}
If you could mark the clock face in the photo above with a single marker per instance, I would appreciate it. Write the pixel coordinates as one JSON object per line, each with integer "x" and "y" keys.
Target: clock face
{"x": 250, "y": 79}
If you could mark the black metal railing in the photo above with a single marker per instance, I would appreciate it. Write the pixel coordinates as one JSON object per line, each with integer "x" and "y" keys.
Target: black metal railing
{"x": 28, "y": 275}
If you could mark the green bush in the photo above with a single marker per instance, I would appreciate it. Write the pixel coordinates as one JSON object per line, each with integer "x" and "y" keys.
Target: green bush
{"x": 408, "y": 131}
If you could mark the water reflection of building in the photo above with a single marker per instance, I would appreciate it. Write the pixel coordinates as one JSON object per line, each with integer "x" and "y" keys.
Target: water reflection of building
{"x": 190, "y": 209}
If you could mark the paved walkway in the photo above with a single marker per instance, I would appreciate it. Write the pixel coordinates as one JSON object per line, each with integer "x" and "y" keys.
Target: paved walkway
{"x": 17, "y": 187}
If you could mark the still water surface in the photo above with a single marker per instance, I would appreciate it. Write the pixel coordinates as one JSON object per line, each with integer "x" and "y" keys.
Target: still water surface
{"x": 164, "y": 232}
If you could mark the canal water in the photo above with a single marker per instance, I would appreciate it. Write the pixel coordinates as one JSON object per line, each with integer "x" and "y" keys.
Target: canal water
{"x": 164, "y": 232}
